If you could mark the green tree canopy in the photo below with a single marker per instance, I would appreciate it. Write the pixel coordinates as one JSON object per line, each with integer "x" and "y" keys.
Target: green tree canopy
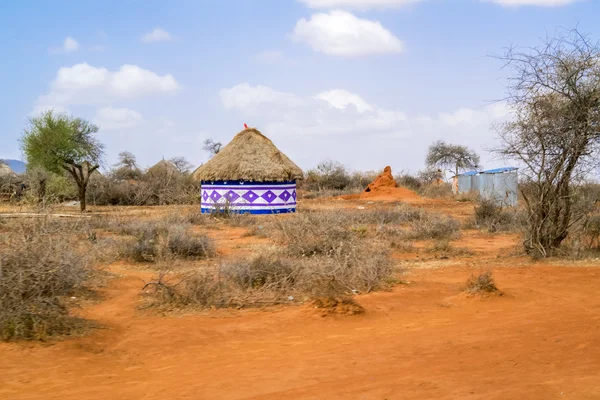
{"x": 59, "y": 142}
{"x": 446, "y": 155}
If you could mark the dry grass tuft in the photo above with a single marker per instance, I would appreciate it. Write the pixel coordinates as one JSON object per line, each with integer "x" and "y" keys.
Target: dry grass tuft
{"x": 43, "y": 262}
{"x": 342, "y": 306}
{"x": 481, "y": 284}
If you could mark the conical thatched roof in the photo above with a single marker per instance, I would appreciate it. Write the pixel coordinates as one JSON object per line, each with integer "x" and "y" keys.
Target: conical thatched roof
{"x": 163, "y": 167}
{"x": 5, "y": 169}
{"x": 250, "y": 156}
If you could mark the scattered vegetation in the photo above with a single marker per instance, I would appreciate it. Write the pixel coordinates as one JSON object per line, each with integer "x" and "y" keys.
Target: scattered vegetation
{"x": 554, "y": 132}
{"x": 41, "y": 266}
{"x": 435, "y": 227}
{"x": 160, "y": 240}
{"x": 481, "y": 284}
{"x": 494, "y": 218}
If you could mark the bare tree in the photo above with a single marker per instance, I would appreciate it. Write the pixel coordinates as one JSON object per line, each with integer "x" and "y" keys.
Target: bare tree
{"x": 127, "y": 159}
{"x": 182, "y": 165}
{"x": 212, "y": 147}
{"x": 555, "y": 132}
{"x": 126, "y": 168}
{"x": 445, "y": 155}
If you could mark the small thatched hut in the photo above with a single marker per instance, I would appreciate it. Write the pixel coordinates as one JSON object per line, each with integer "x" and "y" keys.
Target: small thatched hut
{"x": 5, "y": 169}
{"x": 163, "y": 168}
{"x": 249, "y": 175}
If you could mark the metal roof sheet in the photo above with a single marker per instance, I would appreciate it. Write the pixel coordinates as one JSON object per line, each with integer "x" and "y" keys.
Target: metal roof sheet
{"x": 499, "y": 170}
{"x": 489, "y": 171}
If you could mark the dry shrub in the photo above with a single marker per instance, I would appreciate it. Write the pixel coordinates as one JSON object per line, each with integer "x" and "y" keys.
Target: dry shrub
{"x": 346, "y": 271}
{"x": 444, "y": 248}
{"x": 481, "y": 284}
{"x": 343, "y": 306}
{"x": 495, "y": 218}
{"x": 409, "y": 181}
{"x": 156, "y": 240}
{"x": 275, "y": 277}
{"x": 311, "y": 233}
{"x": 401, "y": 214}
{"x": 591, "y": 230}
{"x": 183, "y": 244}
{"x": 197, "y": 288}
{"x": 41, "y": 264}
{"x": 270, "y": 271}
{"x": 435, "y": 227}
{"x": 437, "y": 191}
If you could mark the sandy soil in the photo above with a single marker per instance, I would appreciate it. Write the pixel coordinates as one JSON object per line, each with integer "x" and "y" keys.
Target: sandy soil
{"x": 424, "y": 339}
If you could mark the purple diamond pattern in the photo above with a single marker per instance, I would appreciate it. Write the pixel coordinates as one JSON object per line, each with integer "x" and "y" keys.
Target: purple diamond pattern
{"x": 250, "y": 196}
{"x": 205, "y": 196}
{"x": 232, "y": 196}
{"x": 215, "y": 196}
{"x": 294, "y": 195}
{"x": 269, "y": 196}
{"x": 285, "y": 196}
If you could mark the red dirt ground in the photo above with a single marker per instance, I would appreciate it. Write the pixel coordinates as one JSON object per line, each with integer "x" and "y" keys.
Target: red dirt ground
{"x": 388, "y": 194}
{"x": 423, "y": 340}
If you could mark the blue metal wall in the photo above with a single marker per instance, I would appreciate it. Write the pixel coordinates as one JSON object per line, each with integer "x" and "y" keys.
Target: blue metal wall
{"x": 499, "y": 185}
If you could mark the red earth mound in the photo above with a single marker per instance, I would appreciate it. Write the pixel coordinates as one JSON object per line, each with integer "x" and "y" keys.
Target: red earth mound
{"x": 383, "y": 180}
{"x": 391, "y": 194}
{"x": 385, "y": 188}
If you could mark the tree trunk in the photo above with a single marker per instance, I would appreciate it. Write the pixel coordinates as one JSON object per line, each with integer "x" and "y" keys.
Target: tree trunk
{"x": 82, "y": 204}
{"x": 42, "y": 191}
{"x": 81, "y": 173}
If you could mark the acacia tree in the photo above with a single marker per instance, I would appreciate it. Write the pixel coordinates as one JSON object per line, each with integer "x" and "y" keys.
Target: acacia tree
{"x": 212, "y": 147}
{"x": 445, "y": 155}
{"x": 555, "y": 132}
{"x": 127, "y": 159}
{"x": 126, "y": 168}
{"x": 182, "y": 164}
{"x": 59, "y": 142}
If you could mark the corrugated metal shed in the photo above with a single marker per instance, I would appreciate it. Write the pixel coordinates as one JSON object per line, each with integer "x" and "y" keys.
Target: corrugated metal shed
{"x": 499, "y": 184}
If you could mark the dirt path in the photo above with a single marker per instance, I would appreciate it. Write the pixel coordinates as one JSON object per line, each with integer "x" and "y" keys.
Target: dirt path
{"x": 423, "y": 340}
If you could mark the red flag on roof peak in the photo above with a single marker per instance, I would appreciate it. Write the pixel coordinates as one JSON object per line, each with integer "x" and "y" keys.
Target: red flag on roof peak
{"x": 245, "y": 126}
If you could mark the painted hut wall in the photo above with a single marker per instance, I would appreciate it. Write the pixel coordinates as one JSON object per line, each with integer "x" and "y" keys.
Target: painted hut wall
{"x": 248, "y": 197}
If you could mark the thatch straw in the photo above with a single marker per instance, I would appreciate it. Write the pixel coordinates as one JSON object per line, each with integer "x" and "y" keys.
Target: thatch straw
{"x": 5, "y": 169}
{"x": 250, "y": 156}
{"x": 163, "y": 167}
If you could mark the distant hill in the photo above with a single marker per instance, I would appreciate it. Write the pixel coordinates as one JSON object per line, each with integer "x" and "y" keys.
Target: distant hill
{"x": 17, "y": 166}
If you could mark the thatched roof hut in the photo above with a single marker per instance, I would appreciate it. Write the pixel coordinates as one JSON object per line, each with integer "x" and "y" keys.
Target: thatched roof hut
{"x": 5, "y": 169}
{"x": 249, "y": 175}
{"x": 163, "y": 168}
{"x": 249, "y": 157}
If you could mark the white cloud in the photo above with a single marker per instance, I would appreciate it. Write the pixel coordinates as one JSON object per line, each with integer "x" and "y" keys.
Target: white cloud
{"x": 109, "y": 118}
{"x": 340, "y": 99}
{"x": 248, "y": 98}
{"x": 540, "y": 3}
{"x": 341, "y": 125}
{"x": 340, "y": 33}
{"x": 358, "y": 4}
{"x": 86, "y": 84}
{"x": 69, "y": 45}
{"x": 157, "y": 35}
{"x": 363, "y": 5}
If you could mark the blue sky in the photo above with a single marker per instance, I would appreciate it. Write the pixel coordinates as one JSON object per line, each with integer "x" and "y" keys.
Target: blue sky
{"x": 366, "y": 82}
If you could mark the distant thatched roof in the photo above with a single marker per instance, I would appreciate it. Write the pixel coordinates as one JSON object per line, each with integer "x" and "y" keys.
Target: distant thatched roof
{"x": 5, "y": 169}
{"x": 250, "y": 156}
{"x": 163, "y": 167}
